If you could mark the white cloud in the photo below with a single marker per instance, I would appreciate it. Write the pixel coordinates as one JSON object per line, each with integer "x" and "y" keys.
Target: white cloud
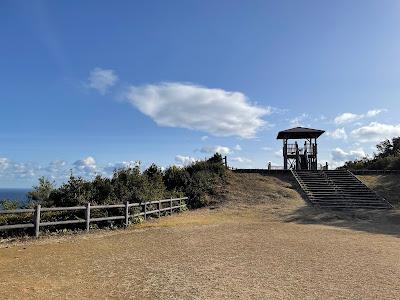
{"x": 376, "y": 132}
{"x": 111, "y": 167}
{"x": 57, "y": 169}
{"x": 339, "y": 155}
{"x": 240, "y": 159}
{"x": 56, "y": 165}
{"x": 102, "y": 79}
{"x": 185, "y": 160}
{"x": 238, "y": 148}
{"x": 278, "y": 153}
{"x": 299, "y": 121}
{"x": 266, "y": 148}
{"x": 185, "y": 105}
{"x": 86, "y": 166}
{"x": 339, "y": 133}
{"x": 12, "y": 169}
{"x": 4, "y": 163}
{"x": 374, "y": 112}
{"x": 348, "y": 117}
{"x": 204, "y": 138}
{"x": 216, "y": 149}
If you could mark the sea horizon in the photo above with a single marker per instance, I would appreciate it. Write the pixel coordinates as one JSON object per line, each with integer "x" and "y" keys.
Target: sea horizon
{"x": 18, "y": 194}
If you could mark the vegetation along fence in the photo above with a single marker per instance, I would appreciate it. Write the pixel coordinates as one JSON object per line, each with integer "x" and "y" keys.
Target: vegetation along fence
{"x": 143, "y": 209}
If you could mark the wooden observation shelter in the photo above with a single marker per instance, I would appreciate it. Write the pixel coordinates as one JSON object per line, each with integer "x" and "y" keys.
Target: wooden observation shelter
{"x": 302, "y": 157}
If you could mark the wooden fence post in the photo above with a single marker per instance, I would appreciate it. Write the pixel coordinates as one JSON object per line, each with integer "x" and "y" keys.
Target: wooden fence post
{"x": 159, "y": 208}
{"x": 145, "y": 210}
{"x": 180, "y": 204}
{"x": 87, "y": 216}
{"x": 37, "y": 220}
{"x": 170, "y": 205}
{"x": 126, "y": 214}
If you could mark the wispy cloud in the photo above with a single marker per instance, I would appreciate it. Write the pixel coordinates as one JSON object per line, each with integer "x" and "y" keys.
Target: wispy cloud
{"x": 86, "y": 166}
{"x": 349, "y": 117}
{"x": 216, "y": 149}
{"x": 237, "y": 147}
{"x": 300, "y": 120}
{"x": 184, "y": 160}
{"x": 338, "y": 133}
{"x": 185, "y": 105}
{"x": 111, "y": 167}
{"x": 240, "y": 159}
{"x": 339, "y": 155}
{"x": 102, "y": 79}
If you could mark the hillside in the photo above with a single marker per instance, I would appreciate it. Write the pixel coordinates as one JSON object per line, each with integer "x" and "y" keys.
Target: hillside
{"x": 260, "y": 241}
{"x": 387, "y": 186}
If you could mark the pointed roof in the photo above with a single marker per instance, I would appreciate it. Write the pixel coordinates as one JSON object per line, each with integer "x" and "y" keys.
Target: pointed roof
{"x": 299, "y": 133}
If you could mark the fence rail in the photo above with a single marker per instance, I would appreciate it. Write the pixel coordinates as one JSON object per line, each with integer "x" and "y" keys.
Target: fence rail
{"x": 173, "y": 204}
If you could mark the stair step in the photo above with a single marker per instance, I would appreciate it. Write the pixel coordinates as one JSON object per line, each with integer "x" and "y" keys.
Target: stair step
{"x": 338, "y": 189}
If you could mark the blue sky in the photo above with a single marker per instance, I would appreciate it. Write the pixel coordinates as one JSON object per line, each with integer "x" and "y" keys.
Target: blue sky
{"x": 94, "y": 85}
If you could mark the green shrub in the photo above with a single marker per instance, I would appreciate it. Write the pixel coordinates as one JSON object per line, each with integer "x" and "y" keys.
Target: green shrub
{"x": 41, "y": 193}
{"x": 176, "y": 178}
{"x": 386, "y": 158}
{"x": 9, "y": 204}
{"x": 129, "y": 185}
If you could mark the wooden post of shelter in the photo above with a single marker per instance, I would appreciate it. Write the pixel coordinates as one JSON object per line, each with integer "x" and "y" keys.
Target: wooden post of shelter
{"x": 296, "y": 158}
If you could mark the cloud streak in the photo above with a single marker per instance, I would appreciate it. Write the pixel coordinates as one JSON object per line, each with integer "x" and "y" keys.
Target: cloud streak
{"x": 216, "y": 149}
{"x": 102, "y": 79}
{"x": 349, "y": 117}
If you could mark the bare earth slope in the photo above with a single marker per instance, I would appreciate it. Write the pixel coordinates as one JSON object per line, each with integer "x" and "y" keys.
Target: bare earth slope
{"x": 250, "y": 247}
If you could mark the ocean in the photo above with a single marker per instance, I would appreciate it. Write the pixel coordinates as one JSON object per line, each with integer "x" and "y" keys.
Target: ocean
{"x": 14, "y": 194}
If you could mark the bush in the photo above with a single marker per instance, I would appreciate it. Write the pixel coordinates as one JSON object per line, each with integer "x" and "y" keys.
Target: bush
{"x": 8, "y": 204}
{"x": 197, "y": 181}
{"x": 386, "y": 158}
{"x": 41, "y": 193}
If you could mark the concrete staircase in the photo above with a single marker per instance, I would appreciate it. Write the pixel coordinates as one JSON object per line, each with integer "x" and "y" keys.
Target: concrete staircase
{"x": 338, "y": 189}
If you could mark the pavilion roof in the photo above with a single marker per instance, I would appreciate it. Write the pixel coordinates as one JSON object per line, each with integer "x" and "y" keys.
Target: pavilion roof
{"x": 299, "y": 133}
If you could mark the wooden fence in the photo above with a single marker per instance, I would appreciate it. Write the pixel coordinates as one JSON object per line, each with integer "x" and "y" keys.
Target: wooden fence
{"x": 173, "y": 204}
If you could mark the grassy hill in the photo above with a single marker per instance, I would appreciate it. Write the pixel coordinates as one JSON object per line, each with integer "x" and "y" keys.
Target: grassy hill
{"x": 387, "y": 186}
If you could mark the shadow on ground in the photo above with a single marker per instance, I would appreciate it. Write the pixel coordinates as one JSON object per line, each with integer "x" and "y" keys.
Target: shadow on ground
{"x": 372, "y": 221}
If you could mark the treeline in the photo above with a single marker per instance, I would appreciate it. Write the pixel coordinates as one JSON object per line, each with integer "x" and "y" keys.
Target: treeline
{"x": 198, "y": 181}
{"x": 386, "y": 158}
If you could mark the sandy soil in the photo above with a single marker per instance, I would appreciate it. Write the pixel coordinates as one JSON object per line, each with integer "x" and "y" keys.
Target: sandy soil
{"x": 261, "y": 244}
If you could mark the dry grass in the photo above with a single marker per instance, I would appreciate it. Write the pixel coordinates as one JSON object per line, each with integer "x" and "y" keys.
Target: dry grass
{"x": 387, "y": 186}
{"x": 232, "y": 251}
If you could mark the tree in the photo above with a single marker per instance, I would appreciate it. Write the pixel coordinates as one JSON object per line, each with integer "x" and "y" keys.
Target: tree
{"x": 41, "y": 193}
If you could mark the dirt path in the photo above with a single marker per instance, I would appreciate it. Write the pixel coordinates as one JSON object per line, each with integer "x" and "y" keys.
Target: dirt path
{"x": 230, "y": 252}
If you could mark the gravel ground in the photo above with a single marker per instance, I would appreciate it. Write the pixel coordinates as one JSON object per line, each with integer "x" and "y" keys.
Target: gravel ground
{"x": 234, "y": 251}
